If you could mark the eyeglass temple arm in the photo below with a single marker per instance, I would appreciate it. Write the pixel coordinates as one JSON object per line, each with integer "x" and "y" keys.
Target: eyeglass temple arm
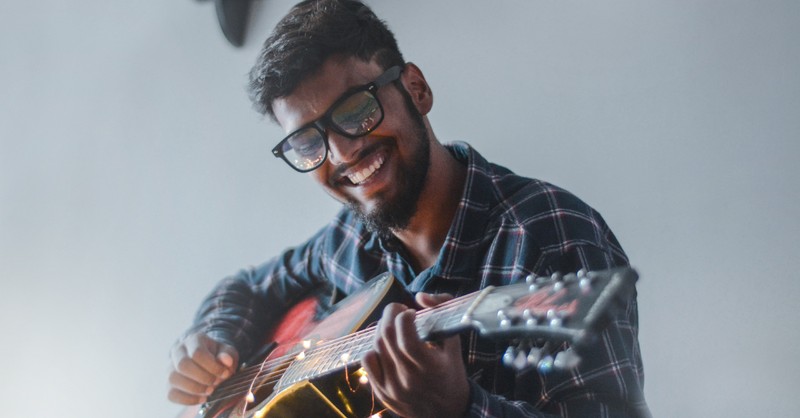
{"x": 390, "y": 75}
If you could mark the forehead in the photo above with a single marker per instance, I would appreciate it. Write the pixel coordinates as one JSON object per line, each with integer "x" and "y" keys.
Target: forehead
{"x": 312, "y": 97}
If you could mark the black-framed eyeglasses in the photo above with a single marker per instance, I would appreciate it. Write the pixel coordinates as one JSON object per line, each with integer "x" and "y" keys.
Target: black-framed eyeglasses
{"x": 357, "y": 113}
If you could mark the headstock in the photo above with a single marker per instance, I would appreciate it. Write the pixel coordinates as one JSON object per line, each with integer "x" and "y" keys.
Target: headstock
{"x": 538, "y": 316}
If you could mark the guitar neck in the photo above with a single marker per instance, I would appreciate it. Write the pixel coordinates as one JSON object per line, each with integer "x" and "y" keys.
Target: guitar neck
{"x": 323, "y": 357}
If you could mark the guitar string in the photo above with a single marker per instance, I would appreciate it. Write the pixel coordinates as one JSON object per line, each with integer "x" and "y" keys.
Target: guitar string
{"x": 336, "y": 343}
{"x": 320, "y": 354}
{"x": 335, "y": 346}
{"x": 274, "y": 374}
{"x": 245, "y": 379}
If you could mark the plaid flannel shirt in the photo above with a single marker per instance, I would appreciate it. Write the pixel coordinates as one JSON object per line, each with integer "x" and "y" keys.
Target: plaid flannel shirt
{"x": 506, "y": 227}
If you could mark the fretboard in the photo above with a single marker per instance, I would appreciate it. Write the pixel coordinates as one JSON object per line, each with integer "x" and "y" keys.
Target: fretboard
{"x": 325, "y": 357}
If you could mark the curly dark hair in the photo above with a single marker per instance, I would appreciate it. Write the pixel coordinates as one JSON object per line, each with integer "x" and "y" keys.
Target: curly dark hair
{"x": 312, "y": 32}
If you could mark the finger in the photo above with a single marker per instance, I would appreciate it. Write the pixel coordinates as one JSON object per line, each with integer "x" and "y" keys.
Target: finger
{"x": 184, "y": 398}
{"x": 386, "y": 335}
{"x": 429, "y": 300}
{"x": 385, "y": 329}
{"x": 189, "y": 386}
{"x": 381, "y": 379}
{"x": 378, "y": 392}
{"x": 452, "y": 346}
{"x": 185, "y": 365}
{"x": 388, "y": 354}
{"x": 403, "y": 349}
{"x": 202, "y": 349}
{"x": 372, "y": 366}
{"x": 389, "y": 312}
{"x": 386, "y": 398}
{"x": 410, "y": 346}
{"x": 229, "y": 358}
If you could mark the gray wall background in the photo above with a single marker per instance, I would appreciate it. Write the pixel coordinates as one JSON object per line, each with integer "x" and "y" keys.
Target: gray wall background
{"x": 134, "y": 175}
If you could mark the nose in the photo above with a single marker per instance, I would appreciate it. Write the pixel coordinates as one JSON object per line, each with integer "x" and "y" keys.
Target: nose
{"x": 343, "y": 150}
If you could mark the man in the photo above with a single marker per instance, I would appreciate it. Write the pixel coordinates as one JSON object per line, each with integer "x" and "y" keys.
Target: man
{"x": 439, "y": 218}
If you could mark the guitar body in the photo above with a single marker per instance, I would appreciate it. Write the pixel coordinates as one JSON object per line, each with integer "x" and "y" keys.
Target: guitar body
{"x": 338, "y": 394}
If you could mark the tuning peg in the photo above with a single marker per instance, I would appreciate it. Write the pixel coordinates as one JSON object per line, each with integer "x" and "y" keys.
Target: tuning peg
{"x": 534, "y": 355}
{"x": 545, "y": 365}
{"x": 516, "y": 358}
{"x": 558, "y": 280}
{"x": 567, "y": 359}
{"x": 520, "y": 361}
{"x": 555, "y": 318}
{"x": 509, "y": 356}
{"x": 505, "y": 321}
{"x": 530, "y": 320}
{"x": 532, "y": 282}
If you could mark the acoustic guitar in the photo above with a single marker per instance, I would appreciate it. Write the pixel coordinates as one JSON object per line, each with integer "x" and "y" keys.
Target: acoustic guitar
{"x": 311, "y": 366}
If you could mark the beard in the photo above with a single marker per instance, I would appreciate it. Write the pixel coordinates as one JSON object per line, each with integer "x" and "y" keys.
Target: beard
{"x": 396, "y": 212}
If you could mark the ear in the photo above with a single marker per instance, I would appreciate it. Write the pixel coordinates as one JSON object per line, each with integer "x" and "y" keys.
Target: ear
{"x": 417, "y": 87}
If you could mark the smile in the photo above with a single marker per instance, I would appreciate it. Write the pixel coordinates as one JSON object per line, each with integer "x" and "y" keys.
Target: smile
{"x": 365, "y": 173}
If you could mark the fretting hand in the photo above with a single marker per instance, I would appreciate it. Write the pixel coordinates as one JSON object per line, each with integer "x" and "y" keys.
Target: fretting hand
{"x": 199, "y": 364}
{"x": 414, "y": 378}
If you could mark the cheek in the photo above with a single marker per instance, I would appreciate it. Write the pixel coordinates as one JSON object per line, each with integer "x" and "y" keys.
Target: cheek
{"x": 321, "y": 175}
{"x": 398, "y": 122}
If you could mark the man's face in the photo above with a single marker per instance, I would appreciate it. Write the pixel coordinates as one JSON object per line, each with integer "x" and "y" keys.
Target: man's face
{"x": 380, "y": 175}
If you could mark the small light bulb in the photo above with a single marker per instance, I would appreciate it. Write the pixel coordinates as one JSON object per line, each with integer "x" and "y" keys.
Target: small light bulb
{"x": 301, "y": 356}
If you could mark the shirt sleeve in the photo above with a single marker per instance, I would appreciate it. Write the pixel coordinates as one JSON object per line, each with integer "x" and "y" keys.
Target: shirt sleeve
{"x": 240, "y": 309}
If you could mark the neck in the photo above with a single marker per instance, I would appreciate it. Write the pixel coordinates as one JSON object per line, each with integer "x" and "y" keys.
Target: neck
{"x": 436, "y": 208}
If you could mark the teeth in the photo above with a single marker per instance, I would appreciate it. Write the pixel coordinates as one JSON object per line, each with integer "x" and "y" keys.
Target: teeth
{"x": 365, "y": 173}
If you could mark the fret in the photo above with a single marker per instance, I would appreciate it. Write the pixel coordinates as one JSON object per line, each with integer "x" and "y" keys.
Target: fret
{"x": 365, "y": 344}
{"x": 350, "y": 350}
{"x": 441, "y": 318}
{"x": 317, "y": 364}
{"x": 326, "y": 354}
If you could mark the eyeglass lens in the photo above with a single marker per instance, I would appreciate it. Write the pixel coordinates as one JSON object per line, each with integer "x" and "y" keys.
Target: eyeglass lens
{"x": 354, "y": 116}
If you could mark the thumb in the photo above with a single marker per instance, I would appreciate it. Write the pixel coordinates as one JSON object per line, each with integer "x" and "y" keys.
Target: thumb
{"x": 428, "y": 300}
{"x": 228, "y": 356}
